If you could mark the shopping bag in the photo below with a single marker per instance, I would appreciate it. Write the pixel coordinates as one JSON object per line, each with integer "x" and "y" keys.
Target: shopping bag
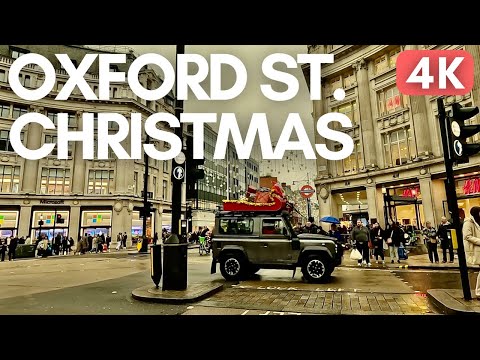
{"x": 402, "y": 253}
{"x": 385, "y": 246}
{"x": 355, "y": 255}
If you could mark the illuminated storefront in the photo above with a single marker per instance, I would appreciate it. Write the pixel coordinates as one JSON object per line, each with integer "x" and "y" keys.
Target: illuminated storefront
{"x": 137, "y": 226}
{"x": 468, "y": 195}
{"x": 96, "y": 222}
{"x": 51, "y": 224}
{"x": 8, "y": 223}
{"x": 404, "y": 204}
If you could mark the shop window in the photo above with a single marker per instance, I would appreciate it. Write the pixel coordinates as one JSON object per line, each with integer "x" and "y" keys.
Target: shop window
{"x": 9, "y": 178}
{"x": 5, "y": 144}
{"x": 398, "y": 147}
{"x": 96, "y": 218}
{"x": 8, "y": 220}
{"x": 49, "y": 218}
{"x": 100, "y": 182}
{"x": 55, "y": 181}
{"x": 390, "y": 100}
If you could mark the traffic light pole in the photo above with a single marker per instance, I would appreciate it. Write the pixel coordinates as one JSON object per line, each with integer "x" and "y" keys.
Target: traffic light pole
{"x": 144, "y": 247}
{"x": 452, "y": 198}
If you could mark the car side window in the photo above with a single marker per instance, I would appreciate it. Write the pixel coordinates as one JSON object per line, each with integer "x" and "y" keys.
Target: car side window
{"x": 236, "y": 226}
{"x": 274, "y": 227}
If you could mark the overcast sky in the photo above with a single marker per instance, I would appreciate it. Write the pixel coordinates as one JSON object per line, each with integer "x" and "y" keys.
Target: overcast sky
{"x": 251, "y": 100}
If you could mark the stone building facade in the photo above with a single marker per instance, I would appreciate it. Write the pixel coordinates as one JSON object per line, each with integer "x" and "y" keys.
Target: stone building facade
{"x": 396, "y": 170}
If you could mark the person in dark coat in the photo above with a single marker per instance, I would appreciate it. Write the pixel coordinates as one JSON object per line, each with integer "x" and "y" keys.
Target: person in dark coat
{"x": 396, "y": 237}
{"x": 155, "y": 238}
{"x": 445, "y": 241}
{"x": 430, "y": 235}
{"x": 3, "y": 248}
{"x": 11, "y": 248}
{"x": 376, "y": 235}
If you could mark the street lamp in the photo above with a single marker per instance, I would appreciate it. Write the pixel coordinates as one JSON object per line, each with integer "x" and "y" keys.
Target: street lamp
{"x": 40, "y": 223}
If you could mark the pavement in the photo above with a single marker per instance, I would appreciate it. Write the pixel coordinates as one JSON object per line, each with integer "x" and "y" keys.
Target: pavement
{"x": 447, "y": 301}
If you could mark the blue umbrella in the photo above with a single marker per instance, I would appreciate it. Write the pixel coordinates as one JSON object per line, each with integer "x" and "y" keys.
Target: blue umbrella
{"x": 330, "y": 219}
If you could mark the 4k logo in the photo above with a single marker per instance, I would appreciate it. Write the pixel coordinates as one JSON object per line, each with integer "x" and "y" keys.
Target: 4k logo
{"x": 435, "y": 72}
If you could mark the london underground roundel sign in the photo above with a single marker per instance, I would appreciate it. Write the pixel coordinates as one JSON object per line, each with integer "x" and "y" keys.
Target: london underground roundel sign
{"x": 307, "y": 191}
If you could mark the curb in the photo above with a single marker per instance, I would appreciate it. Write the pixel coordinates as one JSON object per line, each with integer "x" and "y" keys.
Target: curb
{"x": 152, "y": 294}
{"x": 447, "y": 304}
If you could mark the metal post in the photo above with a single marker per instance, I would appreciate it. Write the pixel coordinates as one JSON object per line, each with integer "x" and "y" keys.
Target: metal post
{"x": 144, "y": 247}
{"x": 452, "y": 198}
{"x": 177, "y": 185}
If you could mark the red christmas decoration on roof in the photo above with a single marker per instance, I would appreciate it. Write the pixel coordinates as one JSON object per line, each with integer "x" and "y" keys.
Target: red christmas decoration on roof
{"x": 260, "y": 200}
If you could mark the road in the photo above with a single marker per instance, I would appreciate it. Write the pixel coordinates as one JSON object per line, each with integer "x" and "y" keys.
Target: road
{"x": 102, "y": 284}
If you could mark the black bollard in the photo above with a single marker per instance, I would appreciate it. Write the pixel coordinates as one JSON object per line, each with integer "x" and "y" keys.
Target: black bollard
{"x": 156, "y": 263}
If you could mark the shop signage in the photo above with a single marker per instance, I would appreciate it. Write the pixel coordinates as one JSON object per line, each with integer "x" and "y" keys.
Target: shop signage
{"x": 411, "y": 193}
{"x": 471, "y": 186}
{"x": 52, "y": 202}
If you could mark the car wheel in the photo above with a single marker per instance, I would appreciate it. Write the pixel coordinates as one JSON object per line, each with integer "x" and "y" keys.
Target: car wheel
{"x": 232, "y": 266}
{"x": 316, "y": 268}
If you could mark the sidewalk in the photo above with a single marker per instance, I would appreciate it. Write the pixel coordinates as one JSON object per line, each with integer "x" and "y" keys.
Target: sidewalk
{"x": 448, "y": 301}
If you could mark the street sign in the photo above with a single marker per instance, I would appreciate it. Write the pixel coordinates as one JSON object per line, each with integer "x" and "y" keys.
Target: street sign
{"x": 307, "y": 191}
{"x": 149, "y": 194}
{"x": 179, "y": 172}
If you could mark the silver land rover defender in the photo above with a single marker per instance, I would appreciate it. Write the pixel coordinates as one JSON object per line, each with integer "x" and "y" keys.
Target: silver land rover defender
{"x": 245, "y": 242}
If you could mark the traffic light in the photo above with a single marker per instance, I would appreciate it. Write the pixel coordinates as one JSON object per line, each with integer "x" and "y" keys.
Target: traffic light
{"x": 148, "y": 210}
{"x": 460, "y": 150}
{"x": 193, "y": 172}
{"x": 189, "y": 212}
{"x": 60, "y": 220}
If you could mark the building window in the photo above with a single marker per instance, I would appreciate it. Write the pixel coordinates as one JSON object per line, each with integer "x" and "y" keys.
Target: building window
{"x": 113, "y": 68}
{"x": 15, "y": 52}
{"x": 165, "y": 166}
{"x": 349, "y": 80}
{"x": 4, "y": 110}
{"x": 169, "y": 101}
{"x": 54, "y": 117}
{"x": 154, "y": 190}
{"x": 334, "y": 84}
{"x": 24, "y": 80}
{"x": 390, "y": 100}
{"x": 114, "y": 92}
{"x": 55, "y": 181}
{"x": 165, "y": 189}
{"x": 111, "y": 153}
{"x": 386, "y": 61}
{"x": 60, "y": 86}
{"x": 112, "y": 125}
{"x": 3, "y": 76}
{"x": 135, "y": 183}
{"x": 18, "y": 111}
{"x": 351, "y": 111}
{"x": 5, "y": 144}
{"x": 53, "y": 139}
{"x": 100, "y": 182}
{"x": 398, "y": 147}
{"x": 9, "y": 178}
{"x": 353, "y": 163}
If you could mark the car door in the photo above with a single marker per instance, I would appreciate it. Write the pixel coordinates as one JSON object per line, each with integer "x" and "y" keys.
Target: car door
{"x": 274, "y": 242}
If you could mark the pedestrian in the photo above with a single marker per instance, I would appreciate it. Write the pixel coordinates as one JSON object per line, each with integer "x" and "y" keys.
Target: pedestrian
{"x": 360, "y": 236}
{"x": 445, "y": 241}
{"x": 471, "y": 242}
{"x": 65, "y": 246}
{"x": 155, "y": 238}
{"x": 124, "y": 240}
{"x": 12, "y": 247}
{"x": 377, "y": 234}
{"x": 108, "y": 240}
{"x": 394, "y": 240}
{"x": 430, "y": 236}
{"x": 3, "y": 248}
{"x": 119, "y": 241}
